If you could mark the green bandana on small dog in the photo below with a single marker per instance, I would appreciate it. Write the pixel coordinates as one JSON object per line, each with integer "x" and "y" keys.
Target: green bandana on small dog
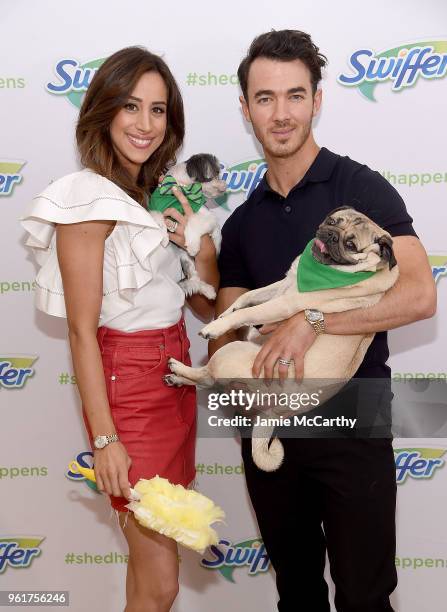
{"x": 314, "y": 276}
{"x": 163, "y": 198}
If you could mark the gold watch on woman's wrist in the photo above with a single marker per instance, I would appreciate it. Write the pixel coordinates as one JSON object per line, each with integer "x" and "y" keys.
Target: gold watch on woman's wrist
{"x": 316, "y": 319}
{"x": 102, "y": 441}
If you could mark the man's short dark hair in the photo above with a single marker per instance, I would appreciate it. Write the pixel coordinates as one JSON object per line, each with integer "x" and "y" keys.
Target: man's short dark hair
{"x": 284, "y": 46}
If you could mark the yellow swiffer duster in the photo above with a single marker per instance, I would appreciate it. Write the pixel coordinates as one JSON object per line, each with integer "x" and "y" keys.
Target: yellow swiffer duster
{"x": 178, "y": 513}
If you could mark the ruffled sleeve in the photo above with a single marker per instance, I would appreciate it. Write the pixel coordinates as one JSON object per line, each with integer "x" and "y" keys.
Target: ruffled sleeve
{"x": 87, "y": 196}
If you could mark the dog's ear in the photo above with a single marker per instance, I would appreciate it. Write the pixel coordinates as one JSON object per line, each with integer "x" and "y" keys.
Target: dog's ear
{"x": 338, "y": 209}
{"x": 196, "y": 167}
{"x": 386, "y": 250}
{"x": 202, "y": 167}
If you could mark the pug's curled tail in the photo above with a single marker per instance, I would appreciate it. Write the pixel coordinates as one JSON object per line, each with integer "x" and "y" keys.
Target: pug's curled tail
{"x": 267, "y": 457}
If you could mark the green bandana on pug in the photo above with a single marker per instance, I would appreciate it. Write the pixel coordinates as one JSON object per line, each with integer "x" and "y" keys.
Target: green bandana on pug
{"x": 313, "y": 275}
{"x": 163, "y": 198}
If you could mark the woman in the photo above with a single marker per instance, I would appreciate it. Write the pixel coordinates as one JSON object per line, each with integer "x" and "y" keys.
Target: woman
{"x": 105, "y": 262}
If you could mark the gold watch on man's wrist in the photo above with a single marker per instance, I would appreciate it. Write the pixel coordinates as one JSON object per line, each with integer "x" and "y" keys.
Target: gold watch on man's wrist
{"x": 316, "y": 319}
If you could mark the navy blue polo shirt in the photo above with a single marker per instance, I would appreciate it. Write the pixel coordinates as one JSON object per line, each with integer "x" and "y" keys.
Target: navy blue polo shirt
{"x": 266, "y": 233}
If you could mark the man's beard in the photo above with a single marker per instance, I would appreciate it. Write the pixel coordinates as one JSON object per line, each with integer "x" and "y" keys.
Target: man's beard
{"x": 288, "y": 149}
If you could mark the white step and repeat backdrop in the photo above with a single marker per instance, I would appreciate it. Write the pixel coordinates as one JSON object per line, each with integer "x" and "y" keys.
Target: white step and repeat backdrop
{"x": 55, "y": 531}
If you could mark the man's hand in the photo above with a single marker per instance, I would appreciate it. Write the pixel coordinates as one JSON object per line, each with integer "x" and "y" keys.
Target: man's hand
{"x": 290, "y": 339}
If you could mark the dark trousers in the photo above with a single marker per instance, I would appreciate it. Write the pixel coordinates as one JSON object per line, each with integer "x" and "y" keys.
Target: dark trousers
{"x": 334, "y": 495}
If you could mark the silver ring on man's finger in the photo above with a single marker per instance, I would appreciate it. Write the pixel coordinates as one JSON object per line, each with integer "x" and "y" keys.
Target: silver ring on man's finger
{"x": 285, "y": 362}
{"x": 171, "y": 226}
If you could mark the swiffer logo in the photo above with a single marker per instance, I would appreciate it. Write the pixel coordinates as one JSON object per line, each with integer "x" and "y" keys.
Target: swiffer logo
{"x": 229, "y": 556}
{"x": 18, "y": 552}
{"x": 72, "y": 79}
{"x": 438, "y": 266}
{"x": 244, "y": 176}
{"x": 418, "y": 463}
{"x": 15, "y": 371}
{"x": 401, "y": 65}
{"x": 85, "y": 460}
{"x": 10, "y": 175}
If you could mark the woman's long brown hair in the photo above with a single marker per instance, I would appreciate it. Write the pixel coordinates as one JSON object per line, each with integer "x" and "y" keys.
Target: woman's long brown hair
{"x": 108, "y": 92}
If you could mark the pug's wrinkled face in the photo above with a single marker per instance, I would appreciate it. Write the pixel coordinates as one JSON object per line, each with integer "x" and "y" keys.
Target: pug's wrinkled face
{"x": 346, "y": 237}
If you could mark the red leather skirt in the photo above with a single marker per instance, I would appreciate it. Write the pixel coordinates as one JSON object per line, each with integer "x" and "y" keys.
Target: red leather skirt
{"x": 155, "y": 423}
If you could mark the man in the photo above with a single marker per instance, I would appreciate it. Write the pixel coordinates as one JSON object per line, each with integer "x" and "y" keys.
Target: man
{"x": 329, "y": 494}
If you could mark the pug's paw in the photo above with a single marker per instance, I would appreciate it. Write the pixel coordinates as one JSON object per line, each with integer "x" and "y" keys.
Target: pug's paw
{"x": 213, "y": 330}
{"x": 173, "y": 364}
{"x": 192, "y": 246}
{"x": 171, "y": 380}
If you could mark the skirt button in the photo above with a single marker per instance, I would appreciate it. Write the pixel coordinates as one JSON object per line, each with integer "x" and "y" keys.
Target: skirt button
{"x": 113, "y": 377}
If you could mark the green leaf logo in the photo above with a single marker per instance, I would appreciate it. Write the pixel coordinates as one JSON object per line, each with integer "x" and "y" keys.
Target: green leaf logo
{"x": 425, "y": 453}
{"x": 438, "y": 264}
{"x": 20, "y": 361}
{"x": 25, "y": 541}
{"x": 11, "y": 166}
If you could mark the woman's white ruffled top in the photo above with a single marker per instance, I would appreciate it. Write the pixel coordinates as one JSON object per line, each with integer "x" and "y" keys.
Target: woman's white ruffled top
{"x": 141, "y": 267}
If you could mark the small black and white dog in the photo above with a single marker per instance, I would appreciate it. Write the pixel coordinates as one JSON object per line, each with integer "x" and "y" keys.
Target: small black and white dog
{"x": 202, "y": 168}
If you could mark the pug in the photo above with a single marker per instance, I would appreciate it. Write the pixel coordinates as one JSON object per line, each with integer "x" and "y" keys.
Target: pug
{"x": 346, "y": 237}
{"x": 201, "y": 170}
{"x": 347, "y": 241}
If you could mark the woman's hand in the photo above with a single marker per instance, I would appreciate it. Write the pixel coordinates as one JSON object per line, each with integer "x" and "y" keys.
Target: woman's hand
{"x": 205, "y": 260}
{"x": 111, "y": 467}
{"x": 207, "y": 249}
{"x": 180, "y": 221}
